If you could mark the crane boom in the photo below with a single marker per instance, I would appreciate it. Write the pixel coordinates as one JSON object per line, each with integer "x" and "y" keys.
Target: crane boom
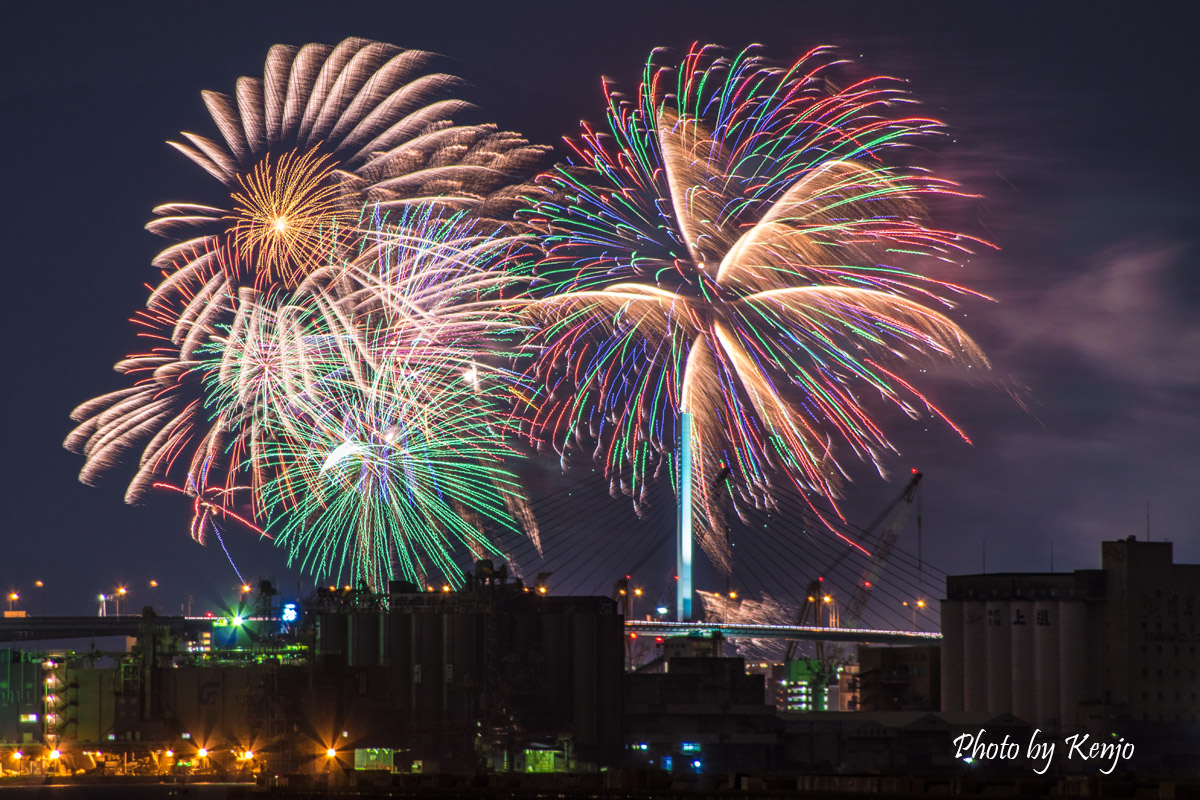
{"x": 883, "y": 551}
{"x": 893, "y": 518}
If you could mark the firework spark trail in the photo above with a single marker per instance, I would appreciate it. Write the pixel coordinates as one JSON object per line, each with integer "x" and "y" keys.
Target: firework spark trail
{"x": 328, "y": 137}
{"x": 740, "y": 249}
{"x": 376, "y": 476}
{"x": 366, "y": 403}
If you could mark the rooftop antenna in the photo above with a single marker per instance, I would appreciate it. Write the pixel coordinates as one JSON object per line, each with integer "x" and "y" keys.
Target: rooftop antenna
{"x": 984, "y": 538}
{"x": 1147, "y": 520}
{"x": 1052, "y": 554}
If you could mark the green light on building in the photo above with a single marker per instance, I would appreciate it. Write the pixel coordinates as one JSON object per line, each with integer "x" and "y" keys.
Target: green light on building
{"x": 545, "y": 761}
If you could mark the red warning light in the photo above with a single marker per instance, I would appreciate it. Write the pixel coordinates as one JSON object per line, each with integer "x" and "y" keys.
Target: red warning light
{"x": 633, "y": 636}
{"x": 820, "y": 579}
{"x": 914, "y": 470}
{"x": 867, "y": 584}
{"x": 658, "y": 639}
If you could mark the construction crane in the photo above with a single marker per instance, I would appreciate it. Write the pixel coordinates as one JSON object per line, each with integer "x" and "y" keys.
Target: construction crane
{"x": 893, "y": 518}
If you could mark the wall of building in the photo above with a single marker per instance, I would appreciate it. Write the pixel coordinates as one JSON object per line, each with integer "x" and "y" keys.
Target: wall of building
{"x": 1077, "y": 649}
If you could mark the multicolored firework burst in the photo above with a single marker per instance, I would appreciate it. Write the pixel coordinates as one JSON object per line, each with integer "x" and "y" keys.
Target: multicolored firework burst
{"x": 358, "y": 273}
{"x": 326, "y": 135}
{"x": 739, "y": 248}
{"x": 393, "y": 476}
{"x": 377, "y": 438}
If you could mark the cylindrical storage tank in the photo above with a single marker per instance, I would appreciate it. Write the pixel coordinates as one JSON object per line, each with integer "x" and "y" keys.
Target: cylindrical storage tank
{"x": 362, "y": 639}
{"x": 1024, "y": 701}
{"x": 974, "y": 656}
{"x": 999, "y": 656}
{"x": 1045, "y": 663}
{"x": 952, "y": 655}
{"x": 1072, "y": 659}
{"x": 331, "y": 634}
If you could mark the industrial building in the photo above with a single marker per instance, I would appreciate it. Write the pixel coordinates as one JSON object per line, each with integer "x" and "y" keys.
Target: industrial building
{"x": 494, "y": 675}
{"x": 892, "y": 679}
{"x": 1100, "y": 650}
{"x": 700, "y": 714}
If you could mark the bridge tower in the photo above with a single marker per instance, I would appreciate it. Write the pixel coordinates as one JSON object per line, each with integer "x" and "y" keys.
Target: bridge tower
{"x": 683, "y": 523}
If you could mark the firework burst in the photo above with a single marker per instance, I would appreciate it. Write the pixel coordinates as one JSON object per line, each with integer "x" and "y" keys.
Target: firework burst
{"x": 315, "y": 155}
{"x": 740, "y": 249}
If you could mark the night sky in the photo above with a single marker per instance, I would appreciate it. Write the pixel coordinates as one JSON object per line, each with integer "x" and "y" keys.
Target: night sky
{"x": 1071, "y": 120}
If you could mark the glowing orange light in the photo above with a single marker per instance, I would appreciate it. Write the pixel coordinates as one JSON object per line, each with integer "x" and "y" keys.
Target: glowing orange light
{"x": 283, "y": 216}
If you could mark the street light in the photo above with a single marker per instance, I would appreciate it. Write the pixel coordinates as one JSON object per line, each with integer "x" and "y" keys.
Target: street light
{"x": 12, "y": 598}
{"x": 914, "y": 606}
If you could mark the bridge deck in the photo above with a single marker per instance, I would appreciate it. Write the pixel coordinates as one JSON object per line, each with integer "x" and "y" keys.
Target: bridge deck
{"x": 804, "y": 632}
{"x": 33, "y": 629}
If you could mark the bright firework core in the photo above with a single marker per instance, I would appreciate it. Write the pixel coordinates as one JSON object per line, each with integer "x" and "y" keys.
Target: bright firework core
{"x": 285, "y": 217}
